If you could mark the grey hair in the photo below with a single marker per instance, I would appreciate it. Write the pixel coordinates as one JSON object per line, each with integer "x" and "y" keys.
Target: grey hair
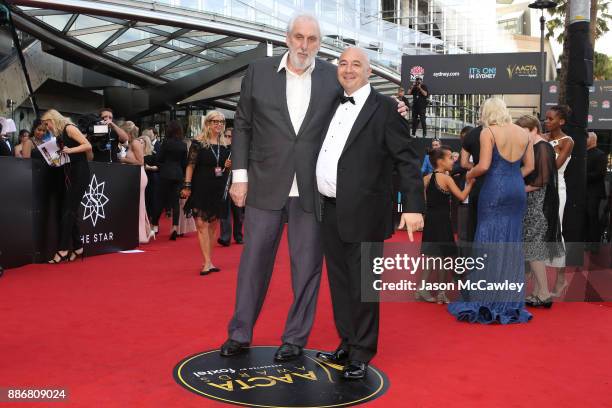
{"x": 305, "y": 16}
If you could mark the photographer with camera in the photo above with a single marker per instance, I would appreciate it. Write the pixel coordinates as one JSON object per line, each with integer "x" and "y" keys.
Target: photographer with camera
{"x": 105, "y": 137}
{"x": 419, "y": 93}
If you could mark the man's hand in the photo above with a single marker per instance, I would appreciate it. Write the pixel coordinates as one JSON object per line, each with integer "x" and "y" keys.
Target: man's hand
{"x": 412, "y": 222}
{"x": 238, "y": 192}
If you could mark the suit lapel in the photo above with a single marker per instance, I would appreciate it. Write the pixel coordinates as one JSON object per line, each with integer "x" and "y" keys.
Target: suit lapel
{"x": 280, "y": 91}
{"x": 315, "y": 86}
{"x": 370, "y": 106}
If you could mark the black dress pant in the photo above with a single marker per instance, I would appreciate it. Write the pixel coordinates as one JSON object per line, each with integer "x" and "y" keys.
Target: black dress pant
{"x": 356, "y": 321}
{"x": 593, "y": 222}
{"x": 226, "y": 223}
{"x": 419, "y": 116}
{"x": 168, "y": 196}
{"x": 151, "y": 194}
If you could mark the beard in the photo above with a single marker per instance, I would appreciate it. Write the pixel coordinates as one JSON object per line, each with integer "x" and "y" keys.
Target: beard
{"x": 298, "y": 63}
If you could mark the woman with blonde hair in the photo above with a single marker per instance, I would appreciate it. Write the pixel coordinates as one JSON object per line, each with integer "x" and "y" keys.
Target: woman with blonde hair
{"x": 135, "y": 156}
{"x": 506, "y": 156}
{"x": 205, "y": 181}
{"x": 76, "y": 177}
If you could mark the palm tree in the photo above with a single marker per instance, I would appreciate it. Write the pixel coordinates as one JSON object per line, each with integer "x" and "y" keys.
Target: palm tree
{"x": 599, "y": 15}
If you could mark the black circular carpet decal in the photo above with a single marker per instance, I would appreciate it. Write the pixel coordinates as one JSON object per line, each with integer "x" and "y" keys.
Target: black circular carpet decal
{"x": 256, "y": 380}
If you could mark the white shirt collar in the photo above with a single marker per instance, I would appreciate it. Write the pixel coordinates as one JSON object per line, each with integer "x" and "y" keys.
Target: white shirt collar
{"x": 361, "y": 94}
{"x": 283, "y": 65}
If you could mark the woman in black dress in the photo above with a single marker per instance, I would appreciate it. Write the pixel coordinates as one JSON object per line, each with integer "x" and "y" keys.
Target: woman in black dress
{"x": 172, "y": 160}
{"x": 205, "y": 183}
{"x": 76, "y": 178}
{"x": 438, "y": 237}
{"x": 30, "y": 150}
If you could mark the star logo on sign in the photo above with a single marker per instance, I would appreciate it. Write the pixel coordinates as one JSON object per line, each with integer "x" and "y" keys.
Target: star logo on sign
{"x": 94, "y": 201}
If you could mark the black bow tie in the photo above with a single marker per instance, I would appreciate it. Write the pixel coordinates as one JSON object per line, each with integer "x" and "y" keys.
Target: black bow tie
{"x": 345, "y": 99}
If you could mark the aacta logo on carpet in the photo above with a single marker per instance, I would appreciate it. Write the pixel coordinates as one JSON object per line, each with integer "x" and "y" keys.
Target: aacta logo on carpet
{"x": 254, "y": 379}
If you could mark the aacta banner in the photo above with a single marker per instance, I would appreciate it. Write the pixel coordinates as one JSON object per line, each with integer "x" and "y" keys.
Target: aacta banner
{"x": 503, "y": 73}
{"x": 600, "y": 96}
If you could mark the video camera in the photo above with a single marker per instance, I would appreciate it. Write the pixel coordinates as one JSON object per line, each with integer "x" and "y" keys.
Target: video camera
{"x": 93, "y": 126}
{"x": 98, "y": 133}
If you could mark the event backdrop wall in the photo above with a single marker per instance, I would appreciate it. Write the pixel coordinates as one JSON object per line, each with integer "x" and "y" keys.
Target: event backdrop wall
{"x": 600, "y": 96}
{"x": 501, "y": 73}
{"x": 29, "y": 214}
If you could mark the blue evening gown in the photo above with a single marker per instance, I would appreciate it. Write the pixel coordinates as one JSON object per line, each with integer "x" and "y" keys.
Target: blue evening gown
{"x": 501, "y": 206}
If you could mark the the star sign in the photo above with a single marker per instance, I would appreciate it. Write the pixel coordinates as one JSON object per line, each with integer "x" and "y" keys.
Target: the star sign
{"x": 94, "y": 201}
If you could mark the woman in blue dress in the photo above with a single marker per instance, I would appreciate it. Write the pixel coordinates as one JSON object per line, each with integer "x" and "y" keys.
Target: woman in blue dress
{"x": 506, "y": 156}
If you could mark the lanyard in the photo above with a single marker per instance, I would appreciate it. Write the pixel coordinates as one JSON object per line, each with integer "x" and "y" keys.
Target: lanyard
{"x": 218, "y": 153}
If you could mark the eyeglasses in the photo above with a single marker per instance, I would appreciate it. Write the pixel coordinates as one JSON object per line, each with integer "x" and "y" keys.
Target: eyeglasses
{"x": 217, "y": 122}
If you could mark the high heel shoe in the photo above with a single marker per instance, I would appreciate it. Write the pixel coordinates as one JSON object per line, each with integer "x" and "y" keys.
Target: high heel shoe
{"x": 561, "y": 291}
{"x": 152, "y": 235}
{"x": 62, "y": 258}
{"x": 423, "y": 296}
{"x": 537, "y": 302}
{"x": 74, "y": 255}
{"x": 442, "y": 299}
{"x": 173, "y": 236}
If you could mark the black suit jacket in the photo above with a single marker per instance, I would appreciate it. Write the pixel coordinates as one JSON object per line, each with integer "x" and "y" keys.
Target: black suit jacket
{"x": 172, "y": 159}
{"x": 264, "y": 141}
{"x": 597, "y": 166}
{"x": 5, "y": 150}
{"x": 378, "y": 141}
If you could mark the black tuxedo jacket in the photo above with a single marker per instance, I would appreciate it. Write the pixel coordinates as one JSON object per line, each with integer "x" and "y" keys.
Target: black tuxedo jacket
{"x": 378, "y": 141}
{"x": 264, "y": 141}
{"x": 5, "y": 150}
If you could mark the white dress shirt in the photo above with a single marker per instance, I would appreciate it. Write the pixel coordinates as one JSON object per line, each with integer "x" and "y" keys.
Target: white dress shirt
{"x": 298, "y": 99}
{"x": 335, "y": 139}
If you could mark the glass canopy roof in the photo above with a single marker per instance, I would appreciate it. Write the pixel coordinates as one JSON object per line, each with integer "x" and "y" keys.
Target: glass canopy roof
{"x": 164, "y": 52}
{"x": 128, "y": 35}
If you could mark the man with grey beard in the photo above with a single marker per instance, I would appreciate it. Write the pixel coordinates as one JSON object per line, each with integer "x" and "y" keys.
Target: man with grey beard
{"x": 285, "y": 103}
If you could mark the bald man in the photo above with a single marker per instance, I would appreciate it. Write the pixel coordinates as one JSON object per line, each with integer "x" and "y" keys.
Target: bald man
{"x": 597, "y": 166}
{"x": 365, "y": 139}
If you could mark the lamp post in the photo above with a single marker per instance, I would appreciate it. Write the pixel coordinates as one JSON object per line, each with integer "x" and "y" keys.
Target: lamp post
{"x": 542, "y": 5}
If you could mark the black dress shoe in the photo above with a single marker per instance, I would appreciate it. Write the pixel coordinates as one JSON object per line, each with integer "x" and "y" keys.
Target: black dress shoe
{"x": 239, "y": 241}
{"x": 287, "y": 352}
{"x": 355, "y": 370}
{"x": 337, "y": 357}
{"x": 233, "y": 348}
{"x": 223, "y": 243}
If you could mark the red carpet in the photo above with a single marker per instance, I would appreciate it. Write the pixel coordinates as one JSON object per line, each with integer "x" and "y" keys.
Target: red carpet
{"x": 112, "y": 328}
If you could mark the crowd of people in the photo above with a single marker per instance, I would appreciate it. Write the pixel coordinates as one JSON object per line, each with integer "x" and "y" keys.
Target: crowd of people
{"x": 513, "y": 177}
{"x": 163, "y": 169}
